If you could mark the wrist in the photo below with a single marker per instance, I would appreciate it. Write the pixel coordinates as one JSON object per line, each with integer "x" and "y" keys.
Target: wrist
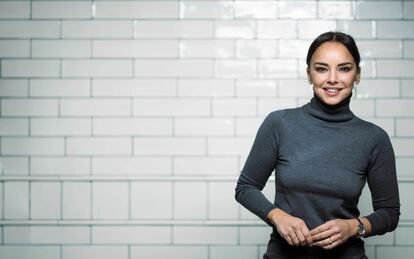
{"x": 274, "y": 215}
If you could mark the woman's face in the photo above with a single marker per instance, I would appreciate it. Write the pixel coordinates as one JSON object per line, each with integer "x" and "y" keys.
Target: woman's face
{"x": 332, "y": 71}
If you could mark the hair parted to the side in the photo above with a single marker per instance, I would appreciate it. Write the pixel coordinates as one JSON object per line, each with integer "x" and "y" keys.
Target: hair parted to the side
{"x": 336, "y": 36}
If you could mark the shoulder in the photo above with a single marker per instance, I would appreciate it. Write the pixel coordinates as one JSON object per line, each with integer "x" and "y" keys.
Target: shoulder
{"x": 374, "y": 131}
{"x": 279, "y": 115}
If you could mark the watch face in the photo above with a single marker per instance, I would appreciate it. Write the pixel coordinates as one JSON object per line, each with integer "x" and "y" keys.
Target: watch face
{"x": 361, "y": 229}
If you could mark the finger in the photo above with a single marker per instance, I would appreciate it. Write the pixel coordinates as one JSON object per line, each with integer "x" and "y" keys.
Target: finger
{"x": 327, "y": 225}
{"x": 307, "y": 235}
{"x": 301, "y": 237}
{"x": 288, "y": 239}
{"x": 294, "y": 238}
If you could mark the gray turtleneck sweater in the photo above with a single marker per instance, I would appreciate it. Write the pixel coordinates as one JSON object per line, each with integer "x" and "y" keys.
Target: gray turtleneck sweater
{"x": 322, "y": 157}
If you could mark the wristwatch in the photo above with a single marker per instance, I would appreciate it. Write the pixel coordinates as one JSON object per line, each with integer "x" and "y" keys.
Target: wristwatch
{"x": 361, "y": 228}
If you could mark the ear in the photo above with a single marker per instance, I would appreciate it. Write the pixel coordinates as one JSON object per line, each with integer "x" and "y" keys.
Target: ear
{"x": 308, "y": 75}
{"x": 358, "y": 75}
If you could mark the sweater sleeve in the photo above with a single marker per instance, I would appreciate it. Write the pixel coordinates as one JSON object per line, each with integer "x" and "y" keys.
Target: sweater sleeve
{"x": 257, "y": 169}
{"x": 382, "y": 182}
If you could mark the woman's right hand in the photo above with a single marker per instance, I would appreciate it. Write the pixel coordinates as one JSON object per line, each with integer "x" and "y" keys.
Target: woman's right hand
{"x": 292, "y": 229}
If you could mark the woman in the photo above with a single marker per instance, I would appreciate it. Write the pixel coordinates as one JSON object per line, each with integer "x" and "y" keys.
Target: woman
{"x": 322, "y": 155}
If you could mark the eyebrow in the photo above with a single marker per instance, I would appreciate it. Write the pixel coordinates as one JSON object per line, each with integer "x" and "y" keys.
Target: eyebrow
{"x": 339, "y": 65}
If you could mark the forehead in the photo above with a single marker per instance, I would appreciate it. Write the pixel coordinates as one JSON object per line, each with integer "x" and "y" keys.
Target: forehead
{"x": 332, "y": 51}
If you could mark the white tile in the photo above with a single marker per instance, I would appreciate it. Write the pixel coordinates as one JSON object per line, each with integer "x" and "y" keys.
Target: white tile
{"x": 386, "y": 239}
{"x": 45, "y": 200}
{"x": 293, "y": 48}
{"x": 132, "y": 127}
{"x": 135, "y": 48}
{"x": 386, "y": 123}
{"x": 170, "y": 146}
{"x": 206, "y": 87}
{"x": 15, "y": 165}
{"x": 137, "y": 10}
{"x": 203, "y": 127}
{"x": 256, "y": 48}
{"x": 278, "y": 68}
{"x": 16, "y": 235}
{"x": 234, "y": 107}
{"x": 255, "y": 9}
{"x": 395, "y": 107}
{"x": 95, "y": 107}
{"x": 256, "y": 87}
{"x": 206, "y": 49}
{"x": 206, "y": 9}
{"x": 13, "y": 9}
{"x": 248, "y": 126}
{"x": 400, "y": 252}
{"x": 110, "y": 200}
{"x": 59, "y": 87}
{"x": 30, "y": 68}
{"x": 240, "y": 252}
{"x": 407, "y": 88}
{"x": 279, "y": 29}
{"x": 61, "y": 10}
{"x": 335, "y": 10}
{"x": 229, "y": 146}
{"x": 406, "y": 194}
{"x": 243, "y": 29}
{"x": 76, "y": 201}
{"x": 408, "y": 49}
{"x": 205, "y": 235}
{"x": 403, "y": 147}
{"x": 313, "y": 28}
{"x": 408, "y": 9}
{"x": 379, "y": 10}
{"x": 378, "y": 88}
{"x": 14, "y": 48}
{"x": 221, "y": 203}
{"x": 59, "y": 235}
{"x": 96, "y": 29}
{"x": 88, "y": 252}
{"x": 295, "y": 88}
{"x": 190, "y": 200}
{"x": 29, "y": 107}
{"x": 60, "y": 127}
{"x": 364, "y": 108}
{"x": 32, "y": 146}
{"x": 404, "y": 236}
{"x": 13, "y": 87}
{"x": 30, "y": 252}
{"x": 254, "y": 235}
{"x": 14, "y": 127}
{"x": 16, "y": 200}
{"x": 298, "y": 9}
{"x": 134, "y": 87}
{"x": 169, "y": 252}
{"x": 131, "y": 235}
{"x": 143, "y": 195}
{"x": 404, "y": 166}
{"x": 1, "y": 206}
{"x": 405, "y": 127}
{"x": 360, "y": 29}
{"x": 97, "y": 68}
{"x": 29, "y": 29}
{"x": 236, "y": 68}
{"x": 217, "y": 166}
{"x": 380, "y": 48}
{"x": 131, "y": 166}
{"x": 60, "y": 166}
{"x": 368, "y": 68}
{"x": 395, "y": 68}
{"x": 173, "y": 68}
{"x": 171, "y": 107}
{"x": 173, "y": 29}
{"x": 61, "y": 48}
{"x": 388, "y": 29}
{"x": 98, "y": 146}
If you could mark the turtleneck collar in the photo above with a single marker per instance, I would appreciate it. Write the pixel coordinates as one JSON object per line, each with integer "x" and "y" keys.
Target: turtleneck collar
{"x": 330, "y": 113}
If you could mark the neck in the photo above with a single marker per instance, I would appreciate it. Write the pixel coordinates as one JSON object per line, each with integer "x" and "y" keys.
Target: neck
{"x": 332, "y": 113}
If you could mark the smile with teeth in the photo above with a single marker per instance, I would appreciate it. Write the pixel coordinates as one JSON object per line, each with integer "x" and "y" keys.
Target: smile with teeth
{"x": 332, "y": 90}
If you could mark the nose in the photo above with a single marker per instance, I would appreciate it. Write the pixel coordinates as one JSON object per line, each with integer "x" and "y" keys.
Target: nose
{"x": 333, "y": 79}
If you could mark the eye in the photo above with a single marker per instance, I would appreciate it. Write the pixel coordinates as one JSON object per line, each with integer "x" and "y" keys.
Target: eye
{"x": 345, "y": 69}
{"x": 320, "y": 69}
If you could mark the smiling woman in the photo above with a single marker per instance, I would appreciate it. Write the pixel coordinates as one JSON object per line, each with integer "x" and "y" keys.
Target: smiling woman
{"x": 322, "y": 155}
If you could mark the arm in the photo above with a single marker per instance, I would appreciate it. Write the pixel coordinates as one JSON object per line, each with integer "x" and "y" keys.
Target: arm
{"x": 256, "y": 171}
{"x": 382, "y": 182}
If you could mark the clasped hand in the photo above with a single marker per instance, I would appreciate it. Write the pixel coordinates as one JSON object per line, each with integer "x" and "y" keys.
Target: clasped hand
{"x": 327, "y": 236}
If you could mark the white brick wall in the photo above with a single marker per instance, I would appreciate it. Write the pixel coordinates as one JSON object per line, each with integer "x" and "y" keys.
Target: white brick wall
{"x": 124, "y": 124}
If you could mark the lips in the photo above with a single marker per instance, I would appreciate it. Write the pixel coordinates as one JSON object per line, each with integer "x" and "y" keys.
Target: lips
{"x": 332, "y": 90}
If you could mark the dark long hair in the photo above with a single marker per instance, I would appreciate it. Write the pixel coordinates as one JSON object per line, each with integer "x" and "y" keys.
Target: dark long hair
{"x": 340, "y": 37}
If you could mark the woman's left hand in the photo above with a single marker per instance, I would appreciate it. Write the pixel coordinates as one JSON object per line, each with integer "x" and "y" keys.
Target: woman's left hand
{"x": 334, "y": 232}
